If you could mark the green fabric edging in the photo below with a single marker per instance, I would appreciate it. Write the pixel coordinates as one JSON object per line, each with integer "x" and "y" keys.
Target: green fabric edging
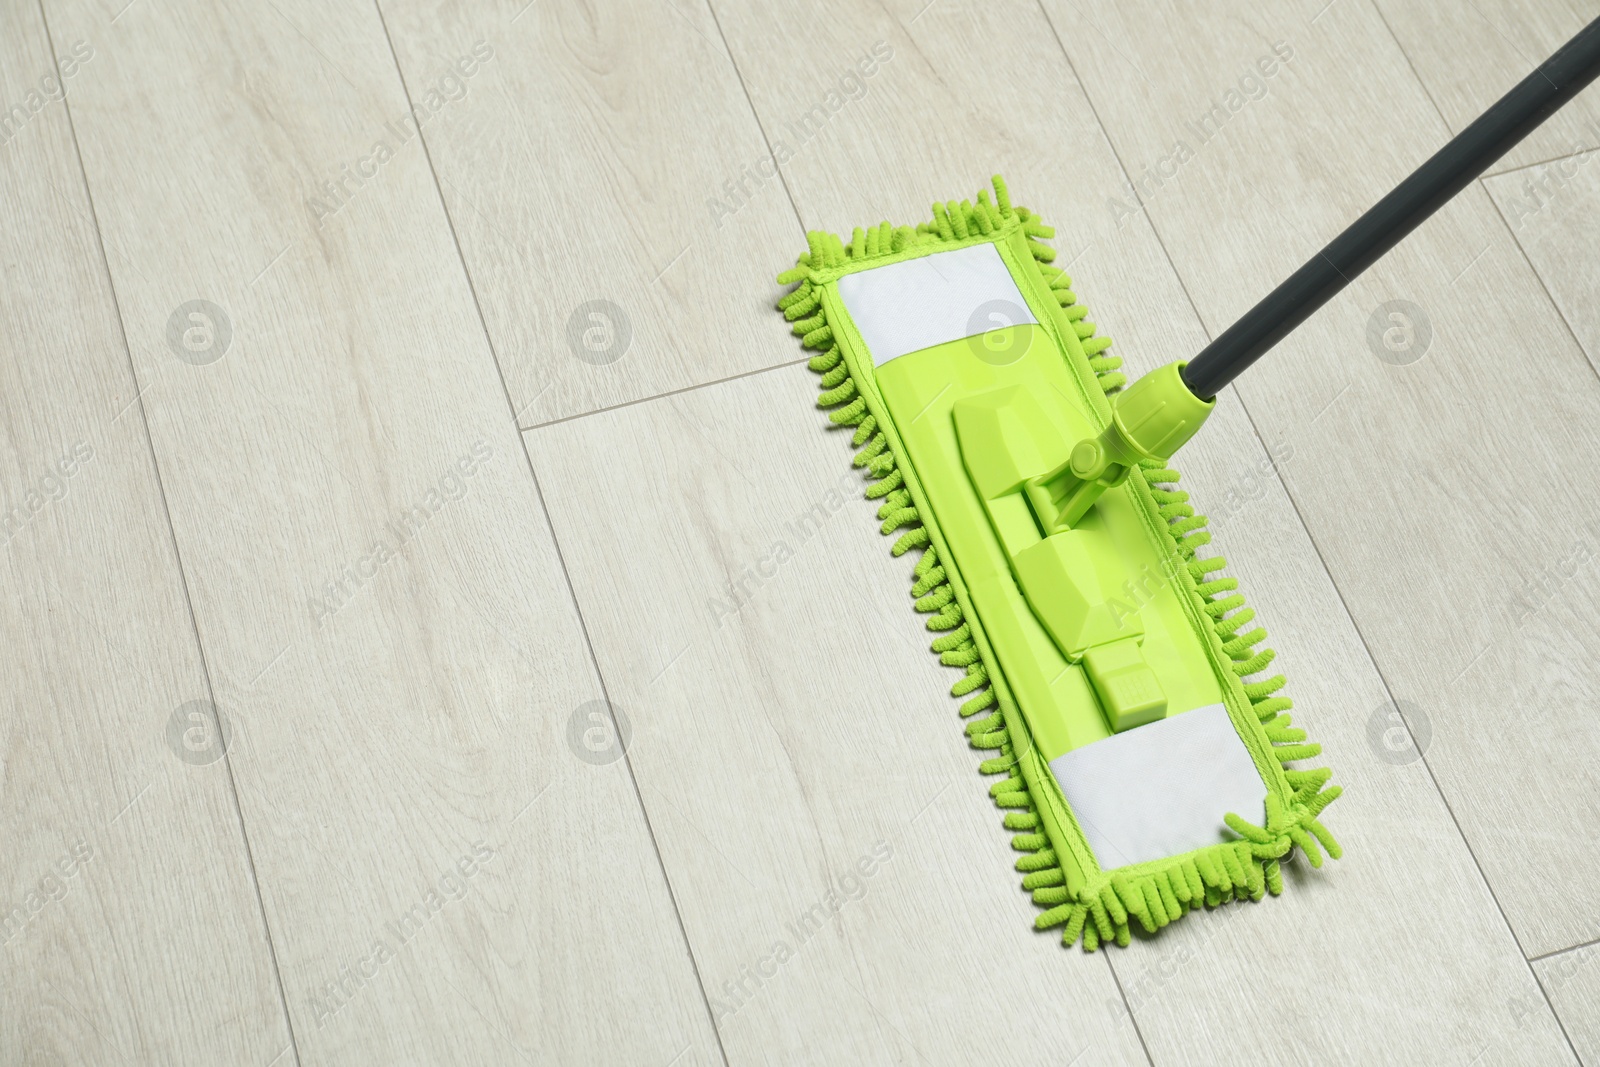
{"x": 1058, "y": 868}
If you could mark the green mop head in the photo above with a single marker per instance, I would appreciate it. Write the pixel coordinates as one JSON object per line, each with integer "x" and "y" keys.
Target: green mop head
{"x": 1106, "y": 663}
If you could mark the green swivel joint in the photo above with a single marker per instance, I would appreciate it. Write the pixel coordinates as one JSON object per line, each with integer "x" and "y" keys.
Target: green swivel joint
{"x": 1150, "y": 420}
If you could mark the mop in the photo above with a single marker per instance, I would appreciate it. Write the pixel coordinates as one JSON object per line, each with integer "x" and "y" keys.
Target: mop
{"x": 1145, "y": 760}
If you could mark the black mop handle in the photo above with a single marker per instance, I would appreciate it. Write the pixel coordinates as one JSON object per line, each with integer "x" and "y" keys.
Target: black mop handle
{"x": 1469, "y": 154}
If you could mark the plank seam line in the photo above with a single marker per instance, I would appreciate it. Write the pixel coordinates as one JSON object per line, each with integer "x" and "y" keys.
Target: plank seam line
{"x": 555, "y": 541}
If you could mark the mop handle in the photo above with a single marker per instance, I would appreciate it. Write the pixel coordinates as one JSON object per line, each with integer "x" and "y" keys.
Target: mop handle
{"x": 1468, "y": 154}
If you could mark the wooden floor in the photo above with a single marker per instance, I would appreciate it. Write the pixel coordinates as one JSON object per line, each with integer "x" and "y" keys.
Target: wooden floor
{"x": 396, "y": 671}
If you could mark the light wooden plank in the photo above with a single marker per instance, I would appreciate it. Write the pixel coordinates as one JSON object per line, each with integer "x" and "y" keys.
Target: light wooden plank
{"x": 1470, "y": 55}
{"x": 130, "y": 929}
{"x": 1572, "y": 980}
{"x": 789, "y": 724}
{"x": 1199, "y": 981}
{"x": 581, "y": 170}
{"x": 381, "y": 605}
{"x": 1437, "y": 490}
{"x": 1554, "y": 212}
{"x": 966, "y": 91}
{"x": 1404, "y": 919}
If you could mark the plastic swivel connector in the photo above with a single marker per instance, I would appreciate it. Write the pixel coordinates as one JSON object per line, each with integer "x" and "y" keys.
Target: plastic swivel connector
{"x": 1150, "y": 420}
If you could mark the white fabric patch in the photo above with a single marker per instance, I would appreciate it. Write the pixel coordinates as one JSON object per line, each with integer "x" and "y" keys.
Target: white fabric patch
{"x": 918, "y": 303}
{"x": 1161, "y": 789}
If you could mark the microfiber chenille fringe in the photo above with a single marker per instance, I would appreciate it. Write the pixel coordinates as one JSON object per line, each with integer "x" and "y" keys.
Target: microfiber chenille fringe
{"x": 1154, "y": 893}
